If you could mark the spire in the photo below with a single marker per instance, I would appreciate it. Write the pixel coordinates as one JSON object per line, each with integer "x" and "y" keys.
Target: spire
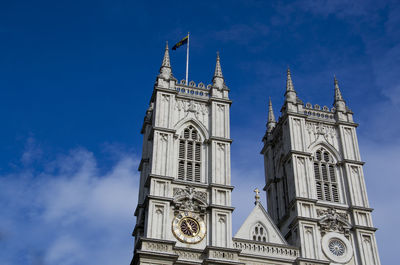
{"x": 338, "y": 94}
{"x": 338, "y": 103}
{"x": 165, "y": 69}
{"x": 289, "y": 83}
{"x": 218, "y": 79}
{"x": 290, "y": 94}
{"x": 166, "y": 62}
{"x": 218, "y": 71}
{"x": 271, "y": 117}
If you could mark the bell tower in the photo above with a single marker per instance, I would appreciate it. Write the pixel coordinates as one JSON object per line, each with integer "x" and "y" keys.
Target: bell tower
{"x": 184, "y": 210}
{"x": 315, "y": 185}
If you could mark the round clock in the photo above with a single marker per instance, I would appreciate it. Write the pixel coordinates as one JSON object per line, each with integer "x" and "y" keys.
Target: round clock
{"x": 188, "y": 227}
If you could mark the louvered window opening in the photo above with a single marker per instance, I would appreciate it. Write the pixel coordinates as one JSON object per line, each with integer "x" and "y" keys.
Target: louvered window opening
{"x": 189, "y": 164}
{"x": 325, "y": 177}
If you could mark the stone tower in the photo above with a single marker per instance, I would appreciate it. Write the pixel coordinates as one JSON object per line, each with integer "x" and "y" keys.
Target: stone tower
{"x": 315, "y": 184}
{"x": 318, "y": 211}
{"x": 184, "y": 207}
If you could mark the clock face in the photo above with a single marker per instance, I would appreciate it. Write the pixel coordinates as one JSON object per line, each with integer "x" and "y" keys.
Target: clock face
{"x": 188, "y": 227}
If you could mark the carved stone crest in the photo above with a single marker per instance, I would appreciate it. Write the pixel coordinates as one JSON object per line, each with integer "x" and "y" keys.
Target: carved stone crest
{"x": 330, "y": 220}
{"x": 189, "y": 199}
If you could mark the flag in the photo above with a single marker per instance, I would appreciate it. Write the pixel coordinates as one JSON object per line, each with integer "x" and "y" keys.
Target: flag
{"x": 181, "y": 42}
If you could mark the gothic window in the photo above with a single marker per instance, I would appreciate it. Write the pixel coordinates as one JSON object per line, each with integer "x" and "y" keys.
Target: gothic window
{"x": 325, "y": 176}
{"x": 189, "y": 159}
{"x": 259, "y": 233}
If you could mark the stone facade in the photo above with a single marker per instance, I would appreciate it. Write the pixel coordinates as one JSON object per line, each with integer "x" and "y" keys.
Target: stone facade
{"x": 184, "y": 211}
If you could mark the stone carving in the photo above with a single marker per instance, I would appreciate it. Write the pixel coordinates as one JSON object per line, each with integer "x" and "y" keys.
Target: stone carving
{"x": 159, "y": 247}
{"x": 317, "y": 130}
{"x": 330, "y": 220}
{"x": 186, "y": 255}
{"x": 189, "y": 199}
{"x": 191, "y": 108}
{"x": 222, "y": 255}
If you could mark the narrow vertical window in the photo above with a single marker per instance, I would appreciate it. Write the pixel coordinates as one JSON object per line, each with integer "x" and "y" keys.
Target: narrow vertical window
{"x": 325, "y": 176}
{"x": 189, "y": 158}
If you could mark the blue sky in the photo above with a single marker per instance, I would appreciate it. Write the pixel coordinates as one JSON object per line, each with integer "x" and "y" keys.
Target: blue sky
{"x": 76, "y": 78}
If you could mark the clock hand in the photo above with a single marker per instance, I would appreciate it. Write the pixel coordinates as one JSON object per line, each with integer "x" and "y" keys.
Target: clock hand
{"x": 189, "y": 226}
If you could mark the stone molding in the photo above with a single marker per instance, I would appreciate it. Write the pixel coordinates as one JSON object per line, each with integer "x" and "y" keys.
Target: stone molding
{"x": 269, "y": 250}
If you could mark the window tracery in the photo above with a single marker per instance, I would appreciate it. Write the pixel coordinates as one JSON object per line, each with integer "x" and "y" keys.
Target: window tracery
{"x": 259, "y": 233}
{"x": 325, "y": 176}
{"x": 189, "y": 158}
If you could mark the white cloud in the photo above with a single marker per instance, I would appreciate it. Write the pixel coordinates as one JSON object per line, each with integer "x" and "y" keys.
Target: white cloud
{"x": 71, "y": 213}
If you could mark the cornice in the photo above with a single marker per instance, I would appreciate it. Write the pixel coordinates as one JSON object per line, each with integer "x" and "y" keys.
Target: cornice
{"x": 347, "y": 123}
{"x": 222, "y": 100}
{"x": 190, "y": 183}
{"x": 361, "y": 208}
{"x": 163, "y": 129}
{"x": 150, "y": 176}
{"x": 300, "y": 260}
{"x": 223, "y": 186}
{"x": 361, "y": 227}
{"x": 350, "y": 161}
{"x": 229, "y": 208}
{"x": 220, "y": 139}
{"x": 188, "y": 97}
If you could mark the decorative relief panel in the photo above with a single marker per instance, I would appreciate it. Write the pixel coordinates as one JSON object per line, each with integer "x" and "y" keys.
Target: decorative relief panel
{"x": 220, "y": 119}
{"x": 357, "y": 186}
{"x": 220, "y": 163}
{"x": 191, "y": 108}
{"x": 163, "y": 111}
{"x": 349, "y": 146}
{"x": 158, "y": 222}
{"x": 189, "y": 199}
{"x": 320, "y": 131}
{"x": 309, "y": 245}
{"x": 221, "y": 230}
{"x": 186, "y": 255}
{"x": 302, "y": 181}
{"x": 160, "y": 161}
{"x": 369, "y": 253}
{"x": 331, "y": 220}
{"x": 297, "y": 135}
{"x": 157, "y": 247}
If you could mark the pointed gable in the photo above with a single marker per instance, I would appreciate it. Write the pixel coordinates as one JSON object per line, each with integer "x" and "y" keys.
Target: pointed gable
{"x": 259, "y": 226}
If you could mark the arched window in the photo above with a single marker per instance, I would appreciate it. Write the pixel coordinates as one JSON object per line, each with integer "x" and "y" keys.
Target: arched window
{"x": 189, "y": 159}
{"x": 259, "y": 233}
{"x": 325, "y": 176}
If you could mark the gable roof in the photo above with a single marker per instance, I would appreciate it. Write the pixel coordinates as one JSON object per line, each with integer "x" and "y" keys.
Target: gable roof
{"x": 260, "y": 215}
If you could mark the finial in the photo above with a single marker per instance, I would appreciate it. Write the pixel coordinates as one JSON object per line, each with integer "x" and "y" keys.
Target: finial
{"x": 257, "y": 197}
{"x": 290, "y": 94}
{"x": 218, "y": 79}
{"x": 289, "y": 82}
{"x": 338, "y": 102}
{"x": 166, "y": 61}
{"x": 218, "y": 71}
{"x": 165, "y": 69}
{"x": 338, "y": 94}
{"x": 271, "y": 117}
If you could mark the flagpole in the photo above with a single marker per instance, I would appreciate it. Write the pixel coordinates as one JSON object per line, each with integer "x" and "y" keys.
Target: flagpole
{"x": 187, "y": 61}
